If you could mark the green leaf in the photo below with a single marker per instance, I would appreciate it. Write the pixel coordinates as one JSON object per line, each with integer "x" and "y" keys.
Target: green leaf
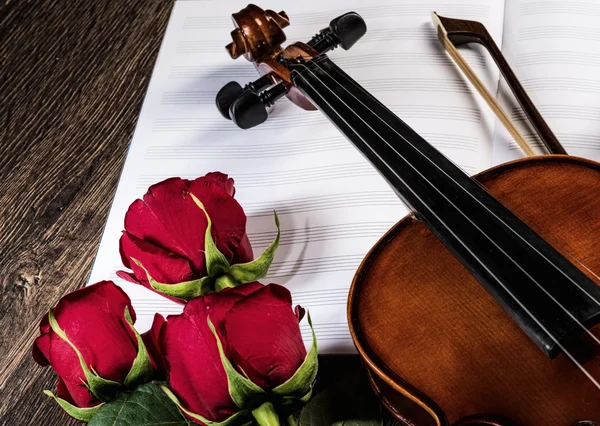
{"x": 141, "y": 369}
{"x": 234, "y": 419}
{"x": 301, "y": 382}
{"x": 258, "y": 268}
{"x": 145, "y": 406}
{"x": 103, "y": 389}
{"x": 185, "y": 290}
{"x": 81, "y": 414}
{"x": 216, "y": 262}
{"x": 243, "y": 391}
{"x": 347, "y": 401}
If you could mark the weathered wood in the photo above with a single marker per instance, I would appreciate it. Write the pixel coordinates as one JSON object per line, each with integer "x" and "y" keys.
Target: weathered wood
{"x": 72, "y": 78}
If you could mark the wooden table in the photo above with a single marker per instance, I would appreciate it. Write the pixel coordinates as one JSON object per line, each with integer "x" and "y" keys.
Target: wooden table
{"x": 72, "y": 80}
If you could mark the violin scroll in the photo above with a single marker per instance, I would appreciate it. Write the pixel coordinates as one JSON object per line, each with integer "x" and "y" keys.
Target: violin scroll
{"x": 258, "y": 36}
{"x": 258, "y": 33}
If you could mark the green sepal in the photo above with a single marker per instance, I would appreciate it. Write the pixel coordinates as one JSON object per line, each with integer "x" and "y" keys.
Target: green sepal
{"x": 258, "y": 268}
{"x": 233, "y": 419}
{"x": 185, "y": 290}
{"x": 81, "y": 414}
{"x": 225, "y": 281}
{"x": 141, "y": 369}
{"x": 216, "y": 262}
{"x": 292, "y": 420}
{"x": 301, "y": 382}
{"x": 241, "y": 389}
{"x": 96, "y": 384}
{"x": 265, "y": 415}
{"x": 307, "y": 397}
{"x": 128, "y": 317}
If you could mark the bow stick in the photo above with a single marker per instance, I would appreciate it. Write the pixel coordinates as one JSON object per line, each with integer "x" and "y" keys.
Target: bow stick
{"x": 454, "y": 32}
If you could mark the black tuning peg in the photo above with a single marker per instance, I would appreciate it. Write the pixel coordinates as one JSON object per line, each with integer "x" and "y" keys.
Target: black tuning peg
{"x": 250, "y": 109}
{"x": 226, "y": 96}
{"x": 232, "y": 90}
{"x": 344, "y": 31}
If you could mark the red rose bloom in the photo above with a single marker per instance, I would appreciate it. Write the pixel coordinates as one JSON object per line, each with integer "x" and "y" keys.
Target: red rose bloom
{"x": 165, "y": 231}
{"x": 261, "y": 339}
{"x": 95, "y": 323}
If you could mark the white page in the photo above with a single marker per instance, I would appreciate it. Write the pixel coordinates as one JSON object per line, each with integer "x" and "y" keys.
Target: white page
{"x": 554, "y": 49}
{"x": 332, "y": 205}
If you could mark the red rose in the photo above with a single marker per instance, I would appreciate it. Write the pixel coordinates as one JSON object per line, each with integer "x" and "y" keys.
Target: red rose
{"x": 164, "y": 239}
{"x": 261, "y": 341}
{"x": 89, "y": 340}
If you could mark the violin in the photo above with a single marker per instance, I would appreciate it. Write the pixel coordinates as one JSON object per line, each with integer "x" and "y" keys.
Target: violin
{"x": 482, "y": 306}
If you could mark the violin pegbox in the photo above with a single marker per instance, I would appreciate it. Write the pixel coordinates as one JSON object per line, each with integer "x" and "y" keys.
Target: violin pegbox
{"x": 258, "y": 36}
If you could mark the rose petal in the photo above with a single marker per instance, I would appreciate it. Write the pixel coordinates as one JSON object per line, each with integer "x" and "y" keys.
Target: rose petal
{"x": 94, "y": 321}
{"x": 228, "y": 217}
{"x": 263, "y": 336}
{"x": 41, "y": 350}
{"x": 83, "y": 395}
{"x": 63, "y": 392}
{"x": 163, "y": 266}
{"x": 129, "y": 277}
{"x": 196, "y": 375}
{"x": 217, "y": 304}
{"x": 221, "y": 180}
{"x": 195, "y": 371}
{"x": 151, "y": 340}
{"x": 244, "y": 252}
{"x": 78, "y": 393}
{"x": 299, "y": 311}
{"x": 169, "y": 218}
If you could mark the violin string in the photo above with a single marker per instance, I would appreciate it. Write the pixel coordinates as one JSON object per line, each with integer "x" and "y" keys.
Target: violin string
{"x": 538, "y": 322}
{"x": 567, "y": 311}
{"x": 571, "y": 256}
{"x": 322, "y": 58}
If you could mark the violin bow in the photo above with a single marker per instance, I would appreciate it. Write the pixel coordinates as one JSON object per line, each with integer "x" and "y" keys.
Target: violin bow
{"x": 454, "y": 32}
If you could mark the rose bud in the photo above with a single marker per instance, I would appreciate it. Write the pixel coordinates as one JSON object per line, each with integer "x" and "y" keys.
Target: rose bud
{"x": 188, "y": 237}
{"x": 238, "y": 356}
{"x": 90, "y": 341}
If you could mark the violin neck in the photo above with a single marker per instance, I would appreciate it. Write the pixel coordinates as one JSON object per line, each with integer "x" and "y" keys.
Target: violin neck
{"x": 516, "y": 266}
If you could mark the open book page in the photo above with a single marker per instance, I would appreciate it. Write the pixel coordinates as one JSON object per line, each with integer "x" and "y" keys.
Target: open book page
{"x": 332, "y": 204}
{"x": 553, "y": 48}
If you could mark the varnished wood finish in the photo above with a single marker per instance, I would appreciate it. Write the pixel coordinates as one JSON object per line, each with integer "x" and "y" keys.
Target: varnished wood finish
{"x": 258, "y": 34}
{"x": 429, "y": 332}
{"x": 461, "y": 31}
{"x": 258, "y": 37}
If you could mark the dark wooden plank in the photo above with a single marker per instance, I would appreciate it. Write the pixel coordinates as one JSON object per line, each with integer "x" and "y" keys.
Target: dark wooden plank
{"x": 72, "y": 78}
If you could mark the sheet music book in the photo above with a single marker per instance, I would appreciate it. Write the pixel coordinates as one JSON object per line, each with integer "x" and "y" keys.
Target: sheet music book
{"x": 332, "y": 204}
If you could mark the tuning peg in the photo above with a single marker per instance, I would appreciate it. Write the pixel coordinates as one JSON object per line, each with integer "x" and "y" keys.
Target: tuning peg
{"x": 226, "y": 96}
{"x": 232, "y": 90}
{"x": 344, "y": 31}
{"x": 250, "y": 109}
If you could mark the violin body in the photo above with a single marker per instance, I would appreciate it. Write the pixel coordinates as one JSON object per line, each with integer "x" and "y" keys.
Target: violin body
{"x": 486, "y": 309}
{"x": 440, "y": 349}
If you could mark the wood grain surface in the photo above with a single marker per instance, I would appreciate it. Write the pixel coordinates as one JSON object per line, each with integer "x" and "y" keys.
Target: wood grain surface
{"x": 72, "y": 78}
{"x": 73, "y": 75}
